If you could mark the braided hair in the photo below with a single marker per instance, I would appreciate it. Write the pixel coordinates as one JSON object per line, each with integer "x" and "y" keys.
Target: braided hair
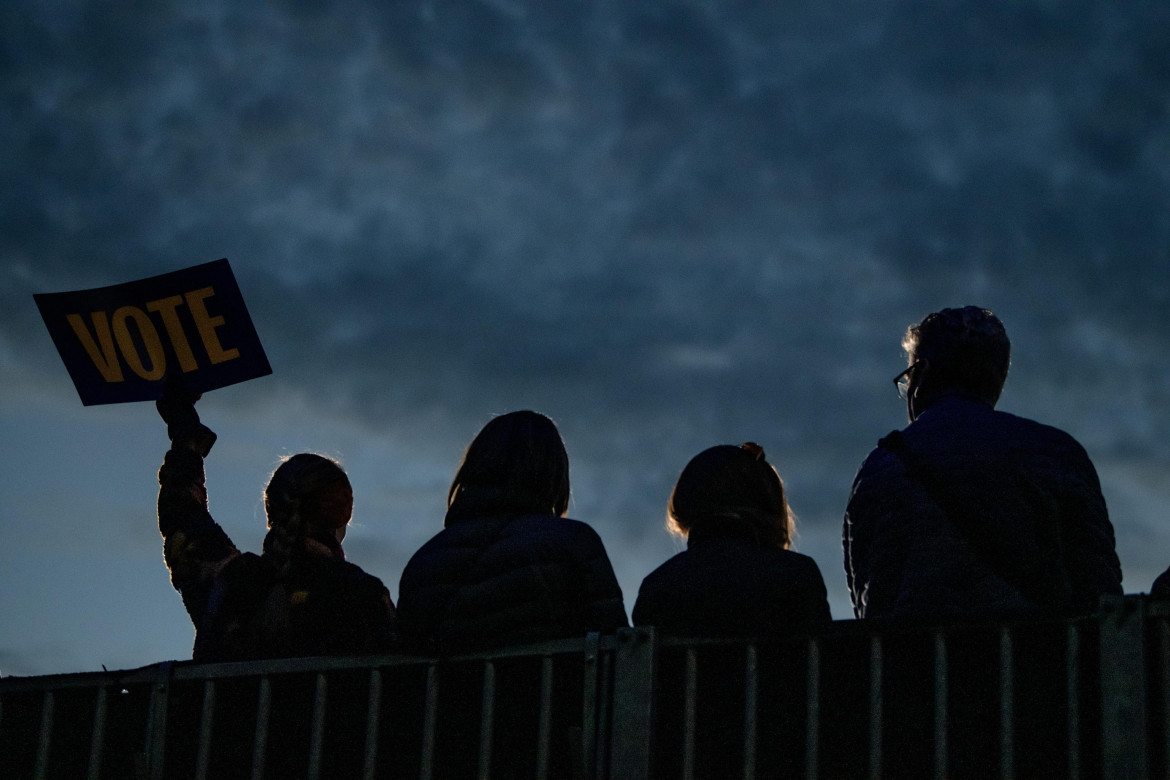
{"x": 308, "y": 496}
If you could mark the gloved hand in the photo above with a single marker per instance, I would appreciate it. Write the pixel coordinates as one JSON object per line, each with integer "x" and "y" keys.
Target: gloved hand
{"x": 176, "y": 407}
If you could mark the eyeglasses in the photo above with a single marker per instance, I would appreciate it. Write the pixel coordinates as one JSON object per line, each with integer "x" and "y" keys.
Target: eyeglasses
{"x": 902, "y": 380}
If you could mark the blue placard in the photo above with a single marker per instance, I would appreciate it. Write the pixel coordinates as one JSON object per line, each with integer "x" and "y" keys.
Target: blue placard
{"x": 119, "y": 342}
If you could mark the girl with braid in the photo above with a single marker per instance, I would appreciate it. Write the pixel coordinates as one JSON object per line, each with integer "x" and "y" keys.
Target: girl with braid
{"x": 300, "y": 597}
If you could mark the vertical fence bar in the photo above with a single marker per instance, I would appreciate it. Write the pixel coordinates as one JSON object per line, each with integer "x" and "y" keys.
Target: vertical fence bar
{"x": 487, "y": 713}
{"x": 1073, "y": 664}
{"x": 97, "y": 741}
{"x": 206, "y": 724}
{"x": 1123, "y": 686}
{"x": 156, "y": 721}
{"x": 1007, "y": 721}
{"x": 751, "y": 692}
{"x": 940, "y": 705}
{"x": 812, "y": 743}
{"x": 544, "y": 730}
{"x": 634, "y": 681}
{"x": 588, "y": 759}
{"x": 317, "y": 733}
{"x": 690, "y": 694}
{"x": 44, "y": 737}
{"x": 373, "y": 725}
{"x": 1163, "y": 667}
{"x": 875, "y": 706}
{"x": 430, "y": 724}
{"x": 260, "y": 741}
{"x": 605, "y": 724}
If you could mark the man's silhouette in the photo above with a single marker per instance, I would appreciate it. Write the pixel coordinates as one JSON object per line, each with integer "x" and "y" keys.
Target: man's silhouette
{"x": 968, "y": 509}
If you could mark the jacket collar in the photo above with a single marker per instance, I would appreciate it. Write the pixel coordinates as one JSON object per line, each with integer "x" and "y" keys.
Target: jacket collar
{"x": 721, "y": 528}
{"x": 324, "y": 545}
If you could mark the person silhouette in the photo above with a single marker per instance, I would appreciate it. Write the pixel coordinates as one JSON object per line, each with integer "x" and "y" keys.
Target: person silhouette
{"x": 508, "y": 567}
{"x": 738, "y": 575}
{"x": 300, "y": 597}
{"x": 969, "y": 509}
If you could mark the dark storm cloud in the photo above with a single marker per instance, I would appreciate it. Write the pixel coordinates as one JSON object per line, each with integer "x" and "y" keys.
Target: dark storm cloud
{"x": 508, "y": 134}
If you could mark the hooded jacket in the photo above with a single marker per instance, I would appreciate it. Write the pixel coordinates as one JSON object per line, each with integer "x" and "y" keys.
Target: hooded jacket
{"x": 497, "y": 580}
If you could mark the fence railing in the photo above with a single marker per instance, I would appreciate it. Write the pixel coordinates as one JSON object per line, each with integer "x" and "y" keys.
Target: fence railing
{"x": 1084, "y": 697}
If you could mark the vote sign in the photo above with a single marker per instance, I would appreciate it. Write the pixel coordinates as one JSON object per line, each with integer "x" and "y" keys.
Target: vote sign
{"x": 119, "y": 342}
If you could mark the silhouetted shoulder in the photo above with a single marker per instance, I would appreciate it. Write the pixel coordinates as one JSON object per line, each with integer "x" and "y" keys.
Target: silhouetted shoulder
{"x": 508, "y": 580}
{"x": 733, "y": 587}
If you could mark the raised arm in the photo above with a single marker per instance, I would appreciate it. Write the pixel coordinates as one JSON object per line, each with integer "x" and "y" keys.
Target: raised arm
{"x": 195, "y": 548}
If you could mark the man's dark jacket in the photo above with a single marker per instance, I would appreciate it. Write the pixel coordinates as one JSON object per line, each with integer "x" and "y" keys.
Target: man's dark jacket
{"x": 509, "y": 579}
{"x": 728, "y": 584}
{"x": 983, "y": 512}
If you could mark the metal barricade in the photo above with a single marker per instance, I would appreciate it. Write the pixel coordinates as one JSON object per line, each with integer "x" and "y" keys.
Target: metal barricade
{"x": 1080, "y": 697}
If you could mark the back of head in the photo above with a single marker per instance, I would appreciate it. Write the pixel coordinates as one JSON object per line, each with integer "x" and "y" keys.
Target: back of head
{"x": 734, "y": 488}
{"x": 308, "y": 495}
{"x": 516, "y": 465}
{"x": 966, "y": 349}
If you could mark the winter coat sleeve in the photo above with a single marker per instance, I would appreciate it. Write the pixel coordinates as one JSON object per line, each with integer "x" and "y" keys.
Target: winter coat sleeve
{"x": 195, "y": 548}
{"x": 1090, "y": 548}
{"x": 874, "y": 542}
{"x": 601, "y": 597}
{"x": 814, "y": 596}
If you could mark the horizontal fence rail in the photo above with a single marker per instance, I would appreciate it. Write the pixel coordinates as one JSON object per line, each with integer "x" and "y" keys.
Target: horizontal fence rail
{"x": 1083, "y": 697}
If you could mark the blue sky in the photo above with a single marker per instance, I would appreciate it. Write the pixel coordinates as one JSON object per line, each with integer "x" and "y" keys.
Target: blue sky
{"x": 667, "y": 226}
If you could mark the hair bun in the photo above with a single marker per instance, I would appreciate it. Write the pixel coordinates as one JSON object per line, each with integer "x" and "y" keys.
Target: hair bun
{"x": 753, "y": 449}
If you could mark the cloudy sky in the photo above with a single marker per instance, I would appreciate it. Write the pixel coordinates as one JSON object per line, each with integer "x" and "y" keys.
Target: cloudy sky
{"x": 665, "y": 225}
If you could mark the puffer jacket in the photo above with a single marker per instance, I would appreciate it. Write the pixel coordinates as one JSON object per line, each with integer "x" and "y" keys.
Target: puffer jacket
{"x": 242, "y": 606}
{"x": 997, "y": 514}
{"x": 503, "y": 580}
{"x": 728, "y": 584}
{"x": 1161, "y": 586}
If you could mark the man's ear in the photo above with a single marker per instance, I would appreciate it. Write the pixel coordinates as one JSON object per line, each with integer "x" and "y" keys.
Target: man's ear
{"x": 920, "y": 394}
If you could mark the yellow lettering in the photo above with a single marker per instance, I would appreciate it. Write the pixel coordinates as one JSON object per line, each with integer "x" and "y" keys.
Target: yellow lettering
{"x": 154, "y": 350}
{"x": 166, "y": 308}
{"x": 207, "y": 325}
{"x": 104, "y": 358}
